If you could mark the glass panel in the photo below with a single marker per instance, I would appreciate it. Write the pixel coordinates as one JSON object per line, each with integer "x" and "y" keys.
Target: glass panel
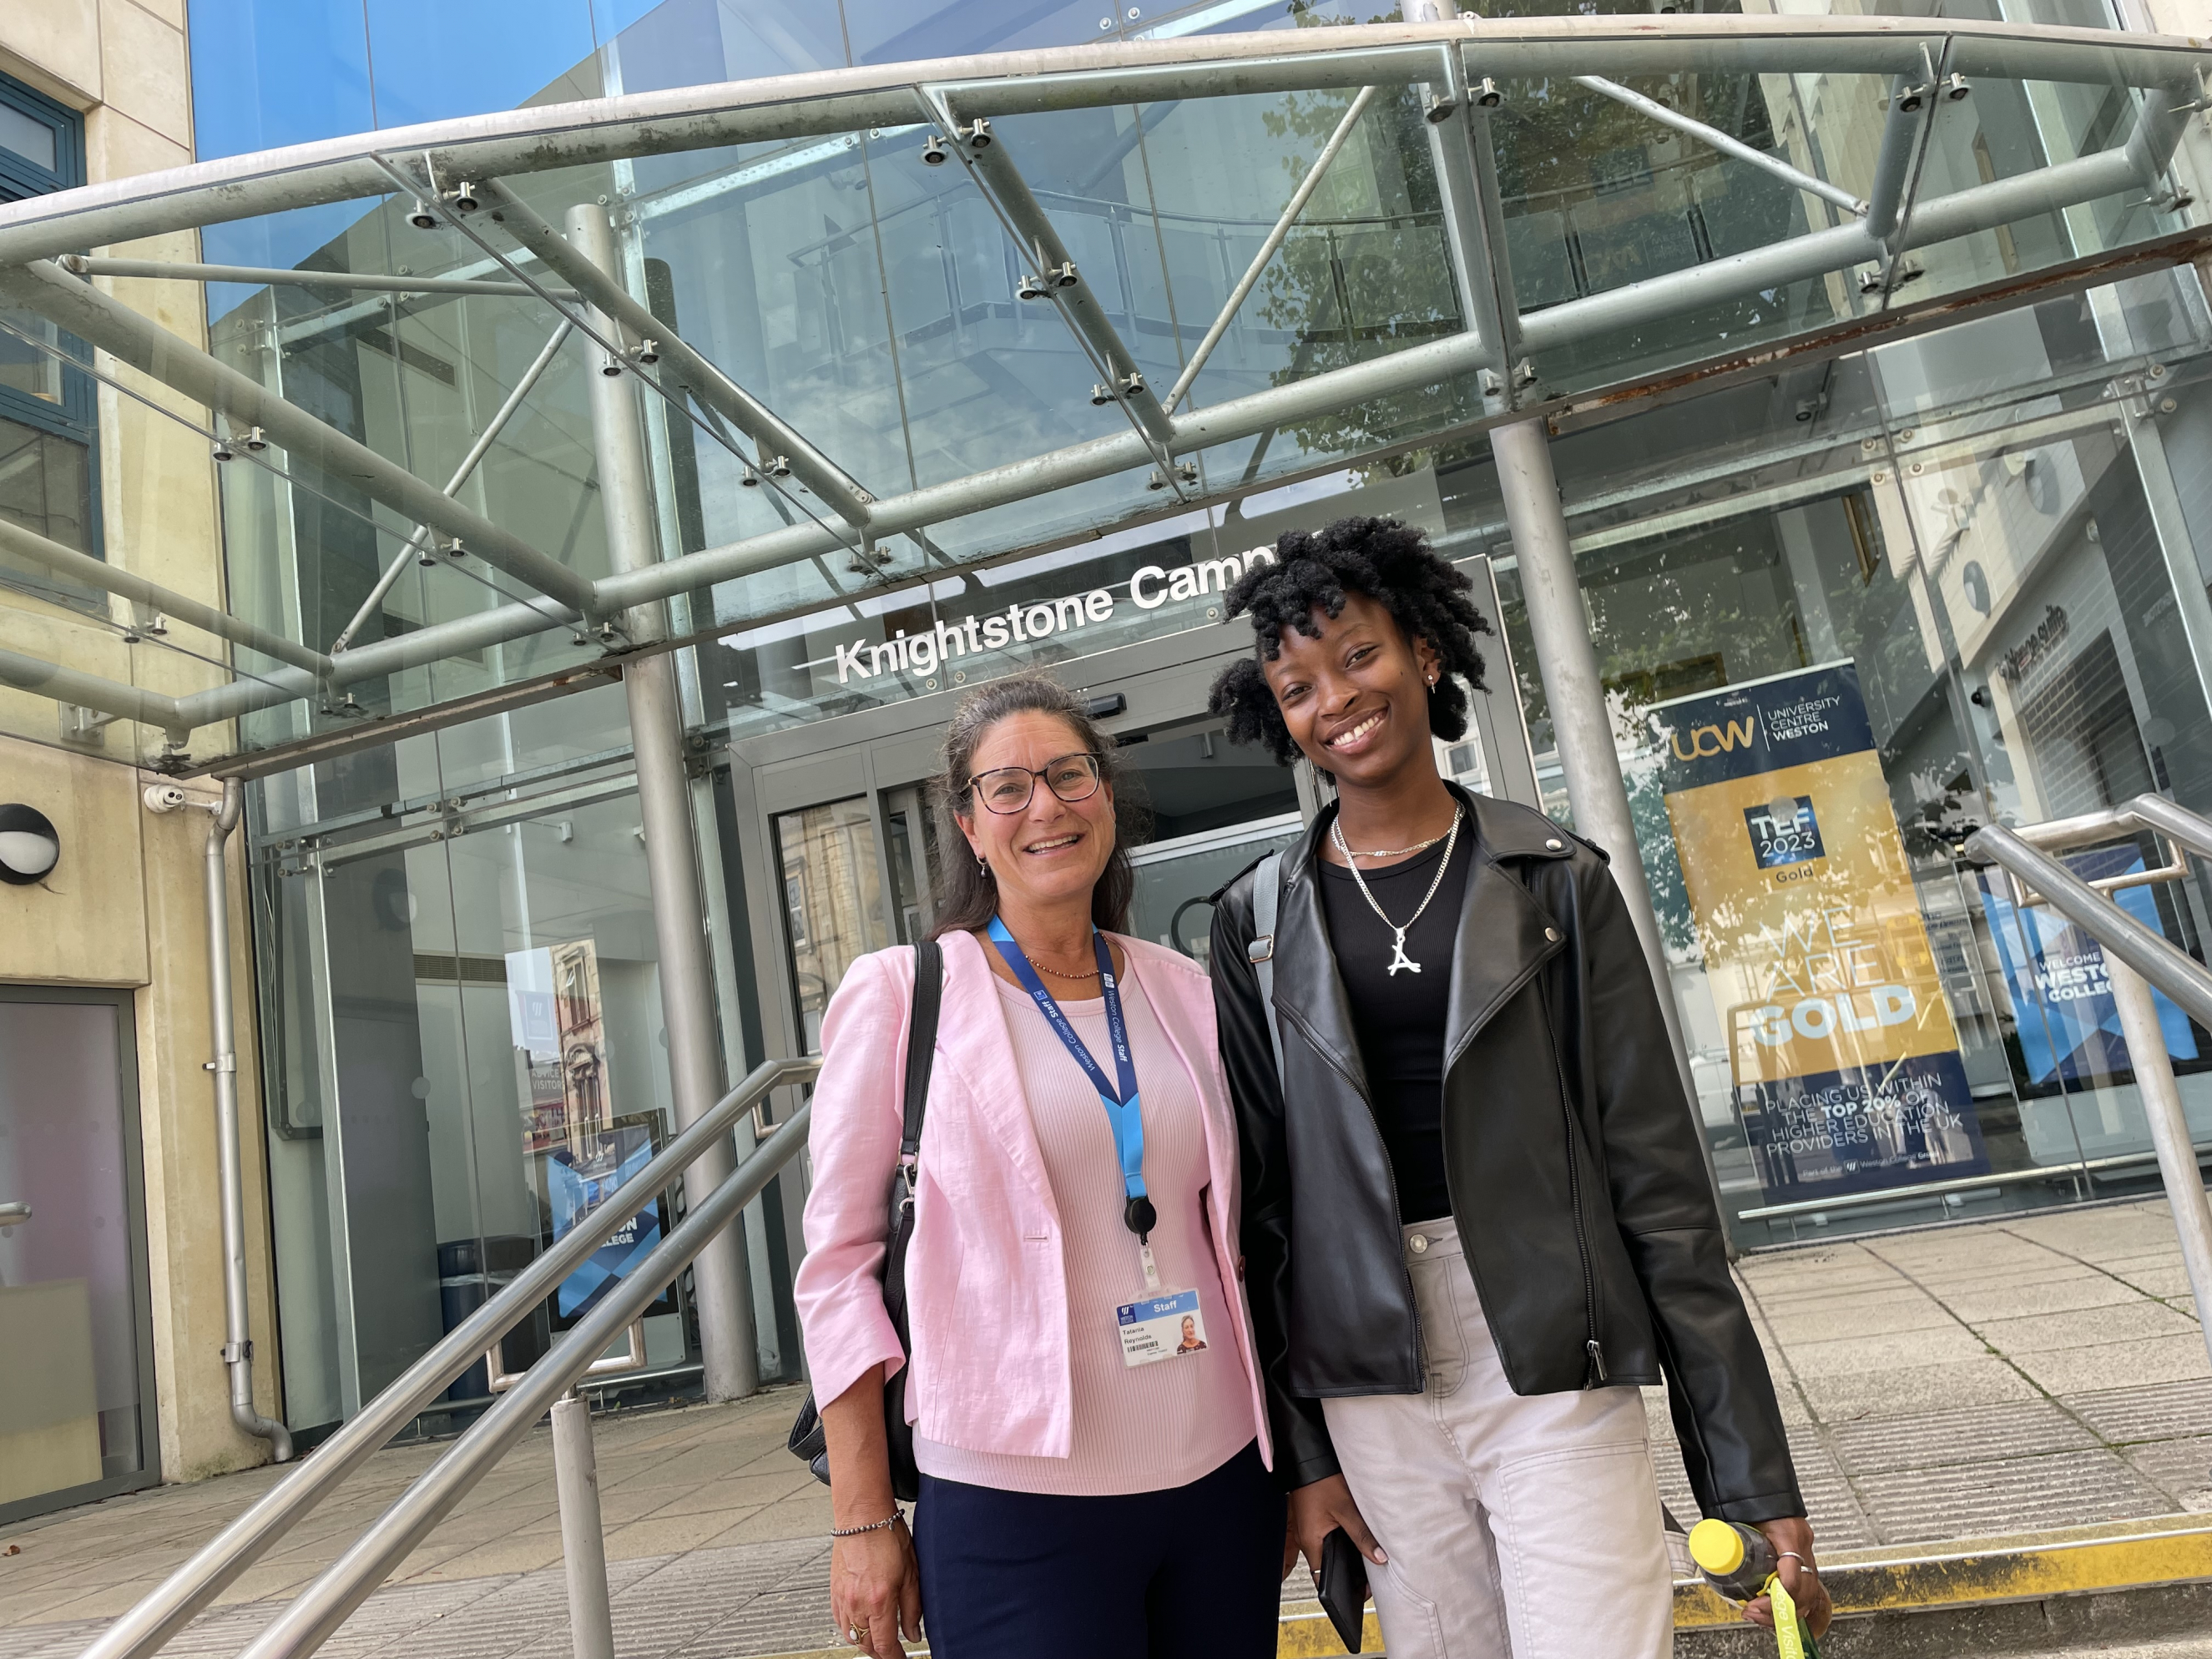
{"x": 833, "y": 907}
{"x": 430, "y": 60}
{"x": 70, "y": 1406}
{"x": 1983, "y": 527}
{"x": 497, "y": 1058}
{"x": 46, "y": 486}
{"x": 28, "y": 138}
{"x": 872, "y": 301}
{"x": 25, "y": 368}
{"x": 911, "y": 847}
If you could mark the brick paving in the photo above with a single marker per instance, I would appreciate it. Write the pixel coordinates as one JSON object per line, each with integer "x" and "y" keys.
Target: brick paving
{"x": 1970, "y": 1381}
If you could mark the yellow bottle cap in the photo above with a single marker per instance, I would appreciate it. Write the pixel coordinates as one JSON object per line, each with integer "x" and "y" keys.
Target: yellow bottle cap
{"x": 1717, "y": 1546}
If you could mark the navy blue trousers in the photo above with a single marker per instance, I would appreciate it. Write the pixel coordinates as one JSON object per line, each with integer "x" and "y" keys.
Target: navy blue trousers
{"x": 1193, "y": 1572}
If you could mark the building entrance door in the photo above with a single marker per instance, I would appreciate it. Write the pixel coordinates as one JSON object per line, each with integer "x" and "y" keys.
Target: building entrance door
{"x": 75, "y": 1417}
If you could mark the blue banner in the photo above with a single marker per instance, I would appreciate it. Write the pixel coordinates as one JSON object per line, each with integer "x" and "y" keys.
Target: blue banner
{"x": 2061, "y": 997}
{"x": 575, "y": 1190}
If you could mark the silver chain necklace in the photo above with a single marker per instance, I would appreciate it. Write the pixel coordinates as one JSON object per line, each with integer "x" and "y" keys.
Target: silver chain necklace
{"x": 1394, "y": 852}
{"x": 1400, "y": 959}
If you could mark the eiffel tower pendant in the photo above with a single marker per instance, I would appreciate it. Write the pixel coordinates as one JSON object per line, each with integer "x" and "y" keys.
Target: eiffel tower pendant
{"x": 1401, "y": 960}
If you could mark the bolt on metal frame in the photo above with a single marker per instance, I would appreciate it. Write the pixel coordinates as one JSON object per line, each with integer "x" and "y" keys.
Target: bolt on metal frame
{"x": 1460, "y": 54}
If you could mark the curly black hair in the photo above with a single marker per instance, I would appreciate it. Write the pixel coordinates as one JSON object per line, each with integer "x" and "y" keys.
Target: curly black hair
{"x": 1391, "y": 563}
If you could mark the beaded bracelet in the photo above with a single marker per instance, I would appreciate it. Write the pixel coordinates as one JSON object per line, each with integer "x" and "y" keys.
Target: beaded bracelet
{"x": 891, "y": 1520}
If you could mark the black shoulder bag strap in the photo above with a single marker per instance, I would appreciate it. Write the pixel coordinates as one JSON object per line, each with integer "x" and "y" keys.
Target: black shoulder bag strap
{"x": 807, "y": 1442}
{"x": 920, "y": 1054}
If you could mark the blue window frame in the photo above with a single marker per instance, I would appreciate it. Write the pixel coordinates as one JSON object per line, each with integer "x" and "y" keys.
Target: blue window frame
{"x": 47, "y": 408}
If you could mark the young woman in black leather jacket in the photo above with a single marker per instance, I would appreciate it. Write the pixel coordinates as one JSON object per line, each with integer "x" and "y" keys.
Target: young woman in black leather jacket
{"x": 1476, "y": 1216}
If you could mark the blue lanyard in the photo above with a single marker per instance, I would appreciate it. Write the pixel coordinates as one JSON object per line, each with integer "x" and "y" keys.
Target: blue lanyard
{"x": 1123, "y": 1108}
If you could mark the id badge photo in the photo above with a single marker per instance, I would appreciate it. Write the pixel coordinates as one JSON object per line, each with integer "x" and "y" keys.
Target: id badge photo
{"x": 1168, "y": 1326}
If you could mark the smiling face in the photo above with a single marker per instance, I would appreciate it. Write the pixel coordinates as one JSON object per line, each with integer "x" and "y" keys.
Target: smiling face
{"x": 1356, "y": 699}
{"x": 1052, "y": 850}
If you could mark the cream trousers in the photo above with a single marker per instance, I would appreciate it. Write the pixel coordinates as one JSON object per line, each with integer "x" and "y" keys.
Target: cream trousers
{"x": 1517, "y": 1527}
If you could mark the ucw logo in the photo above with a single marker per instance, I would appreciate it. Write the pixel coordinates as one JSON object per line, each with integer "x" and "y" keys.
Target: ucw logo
{"x": 1706, "y": 741}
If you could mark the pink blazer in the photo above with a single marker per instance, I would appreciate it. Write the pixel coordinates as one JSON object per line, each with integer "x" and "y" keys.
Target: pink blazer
{"x": 986, "y": 1287}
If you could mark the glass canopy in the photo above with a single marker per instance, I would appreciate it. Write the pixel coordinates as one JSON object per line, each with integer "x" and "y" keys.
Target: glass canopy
{"x": 898, "y": 326}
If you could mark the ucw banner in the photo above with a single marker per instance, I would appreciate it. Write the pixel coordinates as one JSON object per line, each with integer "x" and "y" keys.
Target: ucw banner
{"x": 1845, "y": 1060}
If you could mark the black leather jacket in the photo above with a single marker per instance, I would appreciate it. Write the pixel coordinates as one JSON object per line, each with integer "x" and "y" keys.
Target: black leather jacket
{"x": 1578, "y": 1185}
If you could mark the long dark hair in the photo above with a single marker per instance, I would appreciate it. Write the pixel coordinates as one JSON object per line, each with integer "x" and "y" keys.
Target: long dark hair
{"x": 970, "y": 896}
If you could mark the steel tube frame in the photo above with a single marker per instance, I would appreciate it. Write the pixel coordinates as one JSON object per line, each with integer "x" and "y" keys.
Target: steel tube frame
{"x": 996, "y": 174}
{"x": 1466, "y": 180}
{"x": 157, "y": 1617}
{"x": 1713, "y": 139}
{"x": 2177, "y": 1169}
{"x": 1892, "y": 163}
{"x": 837, "y": 101}
{"x": 230, "y": 1177}
{"x": 721, "y": 1282}
{"x": 583, "y": 1534}
{"x": 81, "y": 264}
{"x": 1422, "y": 365}
{"x": 125, "y": 702}
{"x": 478, "y": 451}
{"x": 2138, "y": 162}
{"x": 123, "y": 584}
{"x": 702, "y": 378}
{"x": 2136, "y": 956}
{"x": 1237, "y": 295}
{"x": 108, "y": 324}
{"x": 332, "y": 1598}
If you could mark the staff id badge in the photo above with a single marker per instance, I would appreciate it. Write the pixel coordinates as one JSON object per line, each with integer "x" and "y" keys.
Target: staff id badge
{"x": 1163, "y": 1327}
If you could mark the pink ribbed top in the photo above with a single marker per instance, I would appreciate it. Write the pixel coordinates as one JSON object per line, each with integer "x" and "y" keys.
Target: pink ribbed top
{"x": 1159, "y": 1425}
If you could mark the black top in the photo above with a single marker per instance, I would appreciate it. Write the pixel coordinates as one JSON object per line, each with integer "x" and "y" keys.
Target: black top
{"x": 1399, "y": 1017}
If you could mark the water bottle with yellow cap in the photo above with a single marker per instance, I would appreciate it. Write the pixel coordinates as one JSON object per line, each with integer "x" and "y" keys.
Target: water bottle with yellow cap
{"x": 1740, "y": 1563}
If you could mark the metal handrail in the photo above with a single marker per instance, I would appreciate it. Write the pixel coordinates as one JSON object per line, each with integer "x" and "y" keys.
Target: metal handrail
{"x": 147, "y": 1627}
{"x": 2135, "y": 958}
{"x": 316, "y": 1614}
{"x": 2025, "y": 853}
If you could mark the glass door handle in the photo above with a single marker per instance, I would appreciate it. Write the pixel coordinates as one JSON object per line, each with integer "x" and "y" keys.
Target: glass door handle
{"x": 12, "y": 1213}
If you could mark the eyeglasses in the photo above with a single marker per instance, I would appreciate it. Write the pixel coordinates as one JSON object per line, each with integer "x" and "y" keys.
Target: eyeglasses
{"x": 1007, "y": 789}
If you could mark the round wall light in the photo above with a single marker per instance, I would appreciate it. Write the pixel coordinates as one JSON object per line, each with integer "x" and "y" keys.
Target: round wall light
{"x": 29, "y": 845}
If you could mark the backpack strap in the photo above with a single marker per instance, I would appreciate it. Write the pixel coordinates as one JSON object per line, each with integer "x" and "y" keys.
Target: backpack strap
{"x": 1267, "y": 899}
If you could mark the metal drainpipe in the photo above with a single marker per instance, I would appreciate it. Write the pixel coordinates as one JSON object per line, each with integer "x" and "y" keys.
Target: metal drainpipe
{"x": 238, "y": 1340}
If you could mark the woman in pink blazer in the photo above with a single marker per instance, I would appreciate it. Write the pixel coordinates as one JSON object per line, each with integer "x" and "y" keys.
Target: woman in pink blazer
{"x": 1094, "y": 1475}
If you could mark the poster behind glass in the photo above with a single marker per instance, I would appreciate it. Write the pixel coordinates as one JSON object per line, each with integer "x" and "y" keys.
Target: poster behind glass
{"x": 578, "y": 1144}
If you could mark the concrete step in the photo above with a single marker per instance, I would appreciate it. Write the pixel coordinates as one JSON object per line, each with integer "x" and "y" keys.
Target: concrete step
{"x": 2124, "y": 1590}
{"x": 2105, "y": 1589}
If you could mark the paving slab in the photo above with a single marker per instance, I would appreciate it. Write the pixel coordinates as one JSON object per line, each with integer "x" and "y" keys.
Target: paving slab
{"x": 1998, "y": 1376}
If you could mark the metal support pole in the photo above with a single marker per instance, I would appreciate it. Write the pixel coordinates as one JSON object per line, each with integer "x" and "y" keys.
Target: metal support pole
{"x": 101, "y": 321}
{"x": 618, "y": 309}
{"x": 583, "y": 1538}
{"x": 2169, "y": 1132}
{"x": 230, "y": 1179}
{"x": 1581, "y": 725}
{"x": 126, "y": 585}
{"x": 1299, "y": 197}
{"x": 721, "y": 1285}
{"x": 2176, "y": 546}
{"x": 478, "y": 451}
{"x": 1765, "y": 160}
{"x": 262, "y": 277}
